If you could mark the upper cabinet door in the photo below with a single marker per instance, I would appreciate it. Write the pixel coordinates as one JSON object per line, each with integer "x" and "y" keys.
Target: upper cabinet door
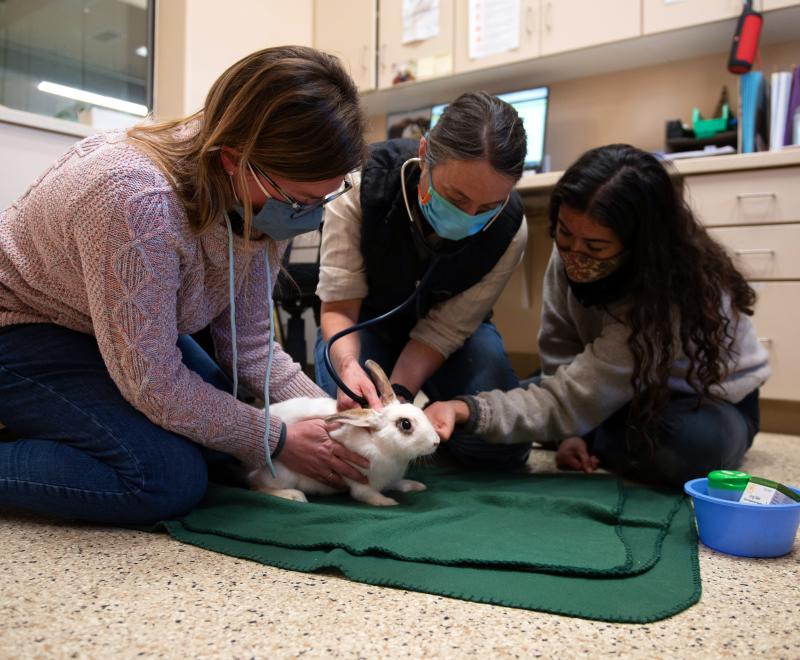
{"x": 527, "y": 36}
{"x": 659, "y": 16}
{"x": 572, "y": 24}
{"x": 349, "y": 31}
{"x": 417, "y": 48}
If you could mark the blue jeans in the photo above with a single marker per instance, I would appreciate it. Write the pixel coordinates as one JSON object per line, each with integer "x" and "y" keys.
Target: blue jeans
{"x": 687, "y": 440}
{"x": 481, "y": 364}
{"x": 83, "y": 452}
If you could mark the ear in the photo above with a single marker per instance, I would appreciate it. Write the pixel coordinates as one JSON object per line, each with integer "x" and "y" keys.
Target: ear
{"x": 230, "y": 160}
{"x": 363, "y": 417}
{"x": 423, "y": 148}
{"x": 381, "y": 382}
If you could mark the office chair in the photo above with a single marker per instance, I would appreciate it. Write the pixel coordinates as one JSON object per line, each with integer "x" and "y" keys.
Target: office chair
{"x": 295, "y": 292}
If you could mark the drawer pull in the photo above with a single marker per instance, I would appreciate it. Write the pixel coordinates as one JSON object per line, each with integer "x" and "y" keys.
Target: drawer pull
{"x": 740, "y": 253}
{"x": 767, "y": 341}
{"x": 755, "y": 195}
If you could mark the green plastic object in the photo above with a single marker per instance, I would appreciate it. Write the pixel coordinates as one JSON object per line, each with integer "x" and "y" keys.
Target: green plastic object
{"x": 727, "y": 484}
{"x": 706, "y": 128}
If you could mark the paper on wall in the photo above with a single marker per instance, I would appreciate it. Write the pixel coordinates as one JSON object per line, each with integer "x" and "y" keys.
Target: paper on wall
{"x": 493, "y": 27}
{"x": 420, "y": 20}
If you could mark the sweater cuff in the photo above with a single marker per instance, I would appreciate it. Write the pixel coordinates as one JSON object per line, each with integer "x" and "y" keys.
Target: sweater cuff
{"x": 281, "y": 441}
{"x": 471, "y": 425}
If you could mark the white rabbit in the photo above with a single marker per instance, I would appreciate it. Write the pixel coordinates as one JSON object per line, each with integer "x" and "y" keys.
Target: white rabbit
{"x": 390, "y": 439}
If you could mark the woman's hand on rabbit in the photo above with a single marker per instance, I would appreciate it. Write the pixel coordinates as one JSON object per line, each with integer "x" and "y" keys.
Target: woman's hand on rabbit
{"x": 573, "y": 454}
{"x": 309, "y": 450}
{"x": 359, "y": 381}
{"x": 444, "y": 415}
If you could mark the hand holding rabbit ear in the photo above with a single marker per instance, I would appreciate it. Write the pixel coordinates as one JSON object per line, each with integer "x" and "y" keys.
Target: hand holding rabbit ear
{"x": 444, "y": 415}
{"x": 357, "y": 380}
{"x": 309, "y": 450}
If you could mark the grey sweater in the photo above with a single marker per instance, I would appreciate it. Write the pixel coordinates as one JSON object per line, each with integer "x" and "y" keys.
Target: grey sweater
{"x": 587, "y": 367}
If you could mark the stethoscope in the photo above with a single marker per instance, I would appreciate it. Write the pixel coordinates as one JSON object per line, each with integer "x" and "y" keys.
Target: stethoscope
{"x": 326, "y": 355}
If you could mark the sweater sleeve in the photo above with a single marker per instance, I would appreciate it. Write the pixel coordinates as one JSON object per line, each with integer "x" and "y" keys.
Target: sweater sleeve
{"x": 559, "y": 341}
{"x": 287, "y": 379}
{"x": 573, "y": 401}
{"x": 132, "y": 272}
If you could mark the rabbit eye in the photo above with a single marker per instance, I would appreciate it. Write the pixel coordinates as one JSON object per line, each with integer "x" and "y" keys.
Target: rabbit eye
{"x": 404, "y": 424}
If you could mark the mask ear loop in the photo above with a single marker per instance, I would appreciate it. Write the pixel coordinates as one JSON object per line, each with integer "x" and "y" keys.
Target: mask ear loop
{"x": 403, "y": 186}
{"x": 496, "y": 215}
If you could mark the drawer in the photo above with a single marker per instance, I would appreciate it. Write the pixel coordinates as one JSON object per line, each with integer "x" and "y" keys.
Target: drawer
{"x": 745, "y": 198}
{"x": 763, "y": 252}
{"x": 777, "y": 319}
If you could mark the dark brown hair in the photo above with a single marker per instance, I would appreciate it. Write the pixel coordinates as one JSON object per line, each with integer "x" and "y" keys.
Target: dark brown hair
{"x": 685, "y": 292}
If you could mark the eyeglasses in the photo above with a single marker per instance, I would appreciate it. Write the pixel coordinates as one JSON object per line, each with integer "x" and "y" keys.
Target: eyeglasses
{"x": 299, "y": 208}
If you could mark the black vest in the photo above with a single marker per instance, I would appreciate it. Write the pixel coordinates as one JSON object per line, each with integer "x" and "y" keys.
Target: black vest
{"x": 396, "y": 256}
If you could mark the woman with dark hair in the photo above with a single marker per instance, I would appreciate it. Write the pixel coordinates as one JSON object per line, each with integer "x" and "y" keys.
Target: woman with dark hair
{"x": 134, "y": 240}
{"x": 445, "y": 202}
{"x": 650, "y": 364}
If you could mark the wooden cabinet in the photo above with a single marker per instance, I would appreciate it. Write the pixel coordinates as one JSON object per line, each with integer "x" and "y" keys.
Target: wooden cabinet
{"x": 767, "y": 5}
{"x": 755, "y": 215}
{"x": 529, "y": 36}
{"x": 660, "y": 16}
{"x": 426, "y": 58}
{"x": 348, "y": 31}
{"x": 573, "y": 24}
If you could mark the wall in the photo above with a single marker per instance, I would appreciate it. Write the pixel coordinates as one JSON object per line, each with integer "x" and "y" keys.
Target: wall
{"x": 25, "y": 153}
{"x": 196, "y": 40}
{"x": 633, "y": 106}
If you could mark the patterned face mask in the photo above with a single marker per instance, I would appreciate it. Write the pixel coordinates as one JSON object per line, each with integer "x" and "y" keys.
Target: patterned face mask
{"x": 583, "y": 268}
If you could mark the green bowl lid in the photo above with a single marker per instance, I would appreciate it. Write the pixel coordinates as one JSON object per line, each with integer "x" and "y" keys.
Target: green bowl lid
{"x": 728, "y": 479}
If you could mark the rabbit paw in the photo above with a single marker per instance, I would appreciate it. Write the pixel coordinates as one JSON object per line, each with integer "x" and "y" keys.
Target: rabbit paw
{"x": 381, "y": 500}
{"x": 288, "y": 494}
{"x": 408, "y": 486}
{"x": 368, "y": 495}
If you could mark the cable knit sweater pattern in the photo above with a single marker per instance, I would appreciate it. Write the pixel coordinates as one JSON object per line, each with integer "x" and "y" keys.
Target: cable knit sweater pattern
{"x": 100, "y": 244}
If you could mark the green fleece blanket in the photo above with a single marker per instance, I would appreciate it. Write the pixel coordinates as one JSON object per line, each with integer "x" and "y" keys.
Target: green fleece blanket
{"x": 578, "y": 545}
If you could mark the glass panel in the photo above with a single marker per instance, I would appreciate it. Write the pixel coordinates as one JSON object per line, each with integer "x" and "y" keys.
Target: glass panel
{"x": 81, "y": 60}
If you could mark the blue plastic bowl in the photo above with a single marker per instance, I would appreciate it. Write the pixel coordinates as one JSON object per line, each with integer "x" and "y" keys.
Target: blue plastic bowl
{"x": 746, "y": 530}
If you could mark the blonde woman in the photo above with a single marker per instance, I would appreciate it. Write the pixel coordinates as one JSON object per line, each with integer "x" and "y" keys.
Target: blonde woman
{"x": 134, "y": 240}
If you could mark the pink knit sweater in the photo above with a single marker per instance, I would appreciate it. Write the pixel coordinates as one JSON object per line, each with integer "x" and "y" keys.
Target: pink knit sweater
{"x": 101, "y": 244}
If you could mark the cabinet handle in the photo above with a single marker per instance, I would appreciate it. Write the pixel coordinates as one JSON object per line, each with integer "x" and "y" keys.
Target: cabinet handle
{"x": 548, "y": 16}
{"x": 364, "y": 54}
{"x": 767, "y": 341}
{"x": 528, "y": 20}
{"x": 383, "y": 57}
{"x": 755, "y": 251}
{"x": 755, "y": 195}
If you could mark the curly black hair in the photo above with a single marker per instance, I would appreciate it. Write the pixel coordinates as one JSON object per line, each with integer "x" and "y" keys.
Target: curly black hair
{"x": 685, "y": 292}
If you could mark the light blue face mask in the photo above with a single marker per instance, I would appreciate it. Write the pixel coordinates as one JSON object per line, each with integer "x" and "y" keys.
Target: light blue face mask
{"x": 279, "y": 220}
{"x": 445, "y": 218}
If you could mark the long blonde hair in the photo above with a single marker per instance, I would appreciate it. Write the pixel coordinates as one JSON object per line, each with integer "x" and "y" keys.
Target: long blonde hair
{"x": 290, "y": 110}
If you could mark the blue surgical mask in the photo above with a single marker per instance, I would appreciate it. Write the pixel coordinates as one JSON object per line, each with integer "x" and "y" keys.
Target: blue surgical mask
{"x": 280, "y": 221}
{"x": 449, "y": 221}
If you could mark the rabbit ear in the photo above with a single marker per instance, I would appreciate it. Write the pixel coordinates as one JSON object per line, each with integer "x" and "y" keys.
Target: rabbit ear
{"x": 357, "y": 417}
{"x": 381, "y": 382}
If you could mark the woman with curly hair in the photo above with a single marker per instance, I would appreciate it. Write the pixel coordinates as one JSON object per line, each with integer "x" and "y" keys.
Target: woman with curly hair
{"x": 650, "y": 363}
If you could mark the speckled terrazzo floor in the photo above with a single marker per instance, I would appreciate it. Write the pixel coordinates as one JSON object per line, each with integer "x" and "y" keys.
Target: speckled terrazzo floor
{"x": 78, "y": 591}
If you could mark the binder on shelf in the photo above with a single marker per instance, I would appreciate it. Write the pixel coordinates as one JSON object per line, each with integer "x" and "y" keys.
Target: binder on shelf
{"x": 780, "y": 84}
{"x": 752, "y": 115}
{"x": 790, "y": 135}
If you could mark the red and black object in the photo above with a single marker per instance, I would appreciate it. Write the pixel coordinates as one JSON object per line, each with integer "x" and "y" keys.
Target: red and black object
{"x": 745, "y": 40}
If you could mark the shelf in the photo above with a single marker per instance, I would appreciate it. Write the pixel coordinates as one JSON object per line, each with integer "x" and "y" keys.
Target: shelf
{"x": 780, "y": 25}
{"x": 540, "y": 184}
